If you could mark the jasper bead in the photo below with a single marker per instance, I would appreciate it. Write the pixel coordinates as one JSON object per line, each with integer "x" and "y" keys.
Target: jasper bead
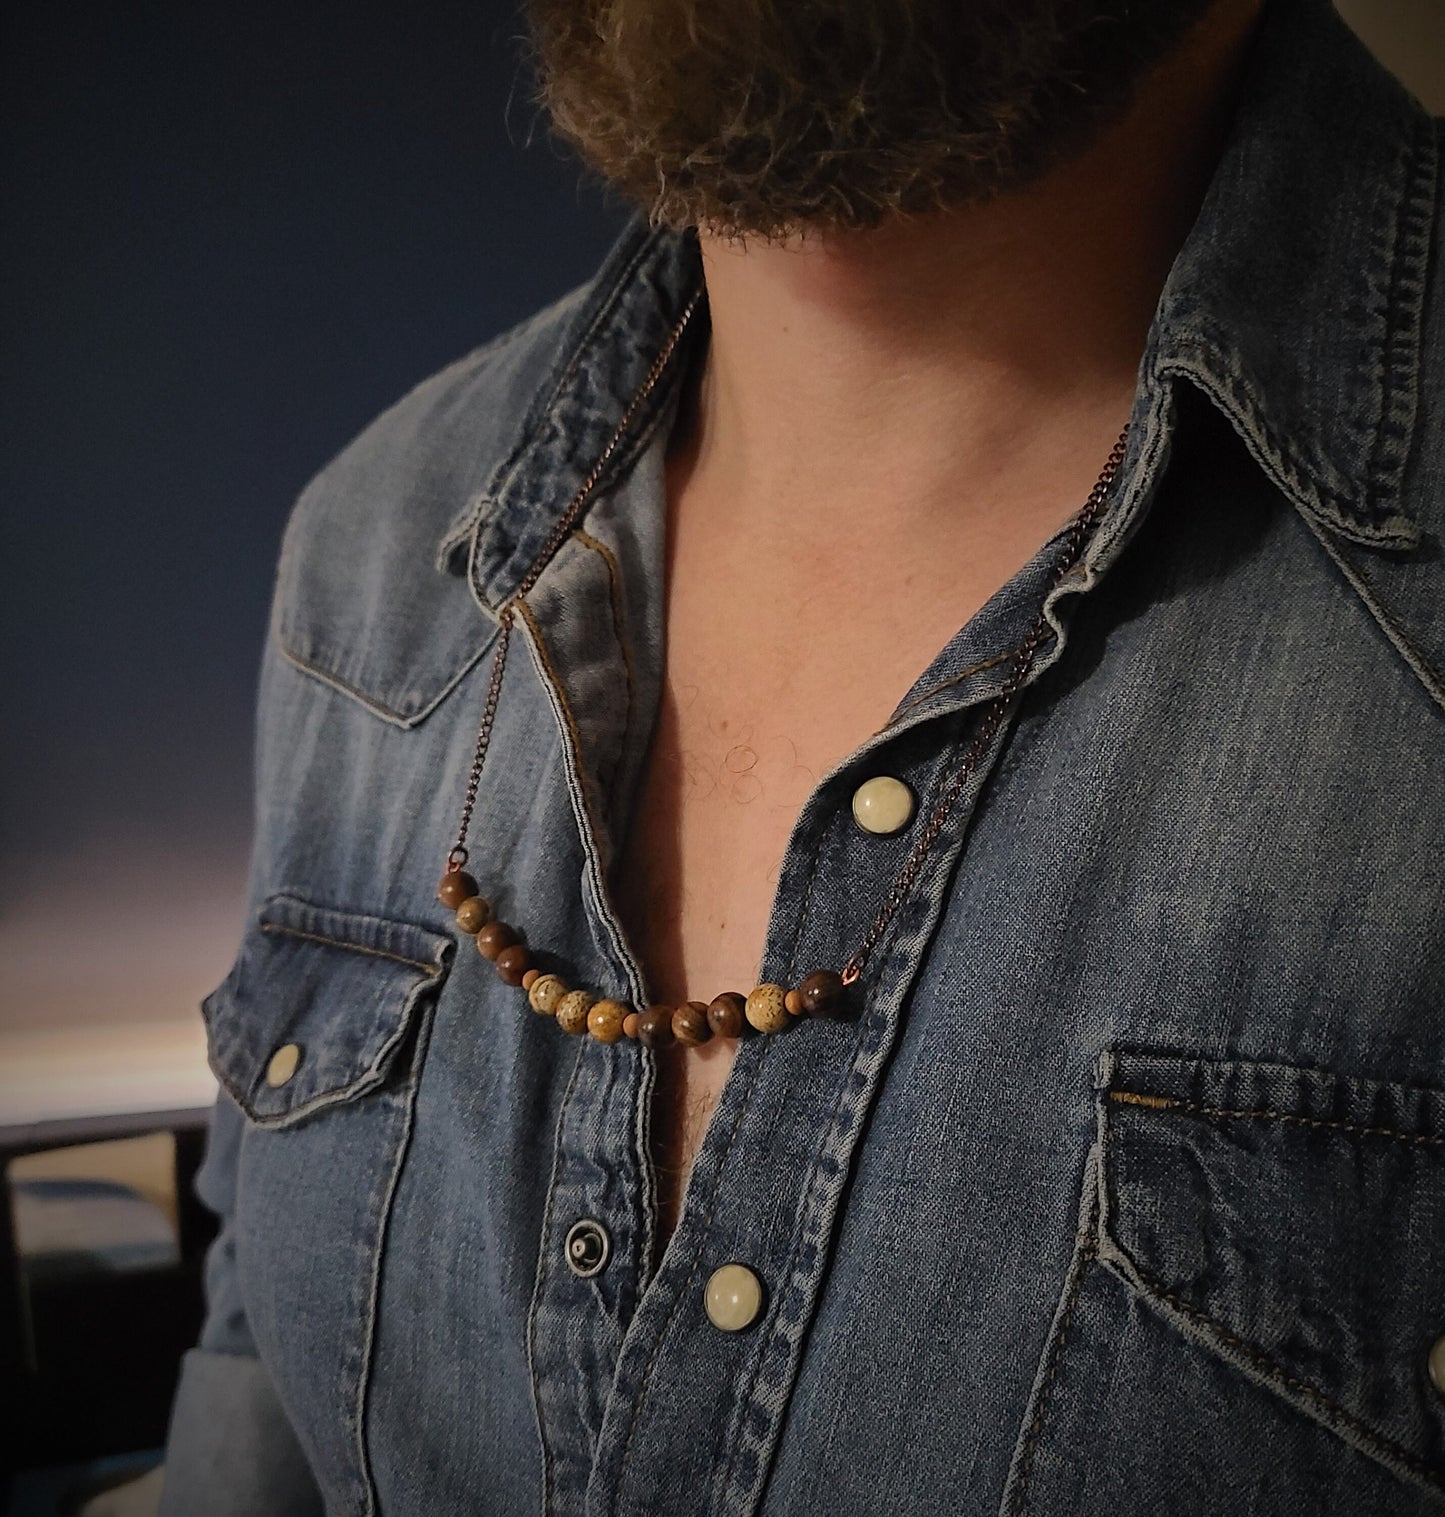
{"x": 766, "y": 1008}
{"x": 544, "y": 992}
{"x": 605, "y": 1019}
{"x": 474, "y": 913}
{"x": 512, "y": 963}
{"x": 822, "y": 992}
{"x": 572, "y": 1011}
{"x": 725, "y": 1014}
{"x": 654, "y": 1027}
{"x": 629, "y": 1025}
{"x": 689, "y": 1023}
{"x": 493, "y": 938}
{"x": 454, "y": 887}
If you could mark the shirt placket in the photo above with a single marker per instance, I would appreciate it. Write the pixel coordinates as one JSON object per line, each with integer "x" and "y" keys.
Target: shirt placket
{"x": 644, "y": 1404}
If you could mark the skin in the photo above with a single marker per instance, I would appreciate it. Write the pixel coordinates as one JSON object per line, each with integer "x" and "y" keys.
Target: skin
{"x": 887, "y": 425}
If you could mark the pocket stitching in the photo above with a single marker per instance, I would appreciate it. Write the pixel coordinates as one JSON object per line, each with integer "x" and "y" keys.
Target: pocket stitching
{"x": 1171, "y": 1103}
{"x": 347, "y": 946}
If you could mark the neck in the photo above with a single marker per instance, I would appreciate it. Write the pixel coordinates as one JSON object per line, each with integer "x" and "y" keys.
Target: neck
{"x": 960, "y": 357}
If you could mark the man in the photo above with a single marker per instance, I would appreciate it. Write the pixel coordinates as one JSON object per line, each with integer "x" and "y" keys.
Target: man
{"x": 1086, "y": 795}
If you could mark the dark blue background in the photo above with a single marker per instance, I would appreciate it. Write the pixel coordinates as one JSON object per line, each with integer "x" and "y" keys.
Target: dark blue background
{"x": 231, "y": 235}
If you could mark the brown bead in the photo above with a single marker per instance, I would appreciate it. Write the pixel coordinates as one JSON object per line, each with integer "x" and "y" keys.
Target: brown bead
{"x": 530, "y": 978}
{"x": 822, "y": 992}
{"x": 689, "y": 1023}
{"x": 765, "y": 1008}
{"x": 629, "y": 1025}
{"x": 654, "y": 1027}
{"x": 493, "y": 938}
{"x": 454, "y": 887}
{"x": 605, "y": 1019}
{"x": 793, "y": 1003}
{"x": 474, "y": 913}
{"x": 725, "y": 1014}
{"x": 544, "y": 992}
{"x": 512, "y": 963}
{"x": 572, "y": 1011}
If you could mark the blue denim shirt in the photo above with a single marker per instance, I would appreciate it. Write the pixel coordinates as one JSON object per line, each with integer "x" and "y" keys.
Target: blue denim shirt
{"x": 1122, "y": 1189}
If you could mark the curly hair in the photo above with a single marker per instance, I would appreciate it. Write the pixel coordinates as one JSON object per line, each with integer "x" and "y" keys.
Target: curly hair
{"x": 769, "y": 117}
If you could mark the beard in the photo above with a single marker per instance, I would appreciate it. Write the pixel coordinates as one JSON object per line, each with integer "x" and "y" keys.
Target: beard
{"x": 776, "y": 118}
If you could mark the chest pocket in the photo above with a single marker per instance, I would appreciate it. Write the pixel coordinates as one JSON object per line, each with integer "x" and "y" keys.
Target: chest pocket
{"x": 1293, "y": 1220}
{"x": 317, "y": 1006}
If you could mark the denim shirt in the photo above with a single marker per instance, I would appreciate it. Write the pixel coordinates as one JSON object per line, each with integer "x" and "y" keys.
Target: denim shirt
{"x": 1120, "y": 1188}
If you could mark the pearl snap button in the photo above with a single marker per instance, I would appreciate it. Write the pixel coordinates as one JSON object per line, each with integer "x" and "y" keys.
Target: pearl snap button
{"x": 882, "y": 804}
{"x": 1437, "y": 1365}
{"x": 586, "y": 1247}
{"x": 734, "y": 1297}
{"x": 283, "y": 1064}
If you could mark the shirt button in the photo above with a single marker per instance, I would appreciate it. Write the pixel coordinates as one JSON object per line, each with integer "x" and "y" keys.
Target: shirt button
{"x": 734, "y": 1297}
{"x": 587, "y": 1247}
{"x": 283, "y": 1064}
{"x": 882, "y": 804}
{"x": 1437, "y": 1365}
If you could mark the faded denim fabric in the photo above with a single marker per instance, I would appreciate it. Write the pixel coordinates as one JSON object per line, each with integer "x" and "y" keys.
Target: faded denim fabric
{"x": 1122, "y": 1191}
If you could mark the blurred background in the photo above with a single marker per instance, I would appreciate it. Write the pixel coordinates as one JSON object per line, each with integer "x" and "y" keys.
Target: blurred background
{"x": 232, "y": 235}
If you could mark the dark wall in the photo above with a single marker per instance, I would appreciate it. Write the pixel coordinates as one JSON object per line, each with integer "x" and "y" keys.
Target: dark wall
{"x": 231, "y": 235}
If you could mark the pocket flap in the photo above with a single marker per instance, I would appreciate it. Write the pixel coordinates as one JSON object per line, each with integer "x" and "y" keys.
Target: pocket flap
{"x": 1294, "y": 1219}
{"x": 327, "y": 995}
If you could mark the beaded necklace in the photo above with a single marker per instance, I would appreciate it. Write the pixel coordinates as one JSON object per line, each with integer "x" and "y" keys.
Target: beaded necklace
{"x": 767, "y": 1008}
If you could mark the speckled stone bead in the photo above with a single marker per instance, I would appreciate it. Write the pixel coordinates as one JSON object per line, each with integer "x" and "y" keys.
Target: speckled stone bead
{"x": 474, "y": 913}
{"x": 725, "y": 1014}
{"x": 530, "y": 978}
{"x": 544, "y": 992}
{"x": 512, "y": 963}
{"x": 689, "y": 1023}
{"x": 572, "y": 1011}
{"x": 654, "y": 1027}
{"x": 629, "y": 1025}
{"x": 493, "y": 938}
{"x": 454, "y": 887}
{"x": 822, "y": 992}
{"x": 766, "y": 1008}
{"x": 605, "y": 1019}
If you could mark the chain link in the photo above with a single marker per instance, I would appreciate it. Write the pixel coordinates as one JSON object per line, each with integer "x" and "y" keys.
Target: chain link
{"x": 989, "y": 725}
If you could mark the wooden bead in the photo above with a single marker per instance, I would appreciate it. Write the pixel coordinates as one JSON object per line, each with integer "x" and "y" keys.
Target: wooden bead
{"x": 629, "y": 1025}
{"x": 572, "y": 1011}
{"x": 512, "y": 963}
{"x": 654, "y": 1027}
{"x": 822, "y": 992}
{"x": 454, "y": 887}
{"x": 766, "y": 1008}
{"x": 544, "y": 992}
{"x": 689, "y": 1023}
{"x": 530, "y": 979}
{"x": 474, "y": 913}
{"x": 493, "y": 938}
{"x": 725, "y": 1014}
{"x": 605, "y": 1019}
{"x": 794, "y": 1003}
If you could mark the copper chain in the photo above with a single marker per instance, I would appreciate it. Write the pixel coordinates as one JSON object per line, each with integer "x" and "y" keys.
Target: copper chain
{"x": 989, "y": 725}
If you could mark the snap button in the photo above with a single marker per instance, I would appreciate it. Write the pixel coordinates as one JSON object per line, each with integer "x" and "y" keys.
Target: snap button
{"x": 882, "y": 804}
{"x": 587, "y": 1247}
{"x": 283, "y": 1064}
{"x": 1437, "y": 1365}
{"x": 733, "y": 1298}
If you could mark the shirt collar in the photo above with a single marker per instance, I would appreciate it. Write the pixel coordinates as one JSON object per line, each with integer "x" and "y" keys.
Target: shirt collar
{"x": 1295, "y": 305}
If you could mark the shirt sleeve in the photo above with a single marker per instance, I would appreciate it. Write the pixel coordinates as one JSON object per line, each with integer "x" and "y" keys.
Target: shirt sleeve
{"x": 230, "y": 1450}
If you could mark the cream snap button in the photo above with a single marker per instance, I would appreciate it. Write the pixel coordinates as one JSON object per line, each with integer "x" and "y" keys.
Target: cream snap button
{"x": 734, "y": 1297}
{"x": 1437, "y": 1365}
{"x": 283, "y": 1064}
{"x": 882, "y": 804}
